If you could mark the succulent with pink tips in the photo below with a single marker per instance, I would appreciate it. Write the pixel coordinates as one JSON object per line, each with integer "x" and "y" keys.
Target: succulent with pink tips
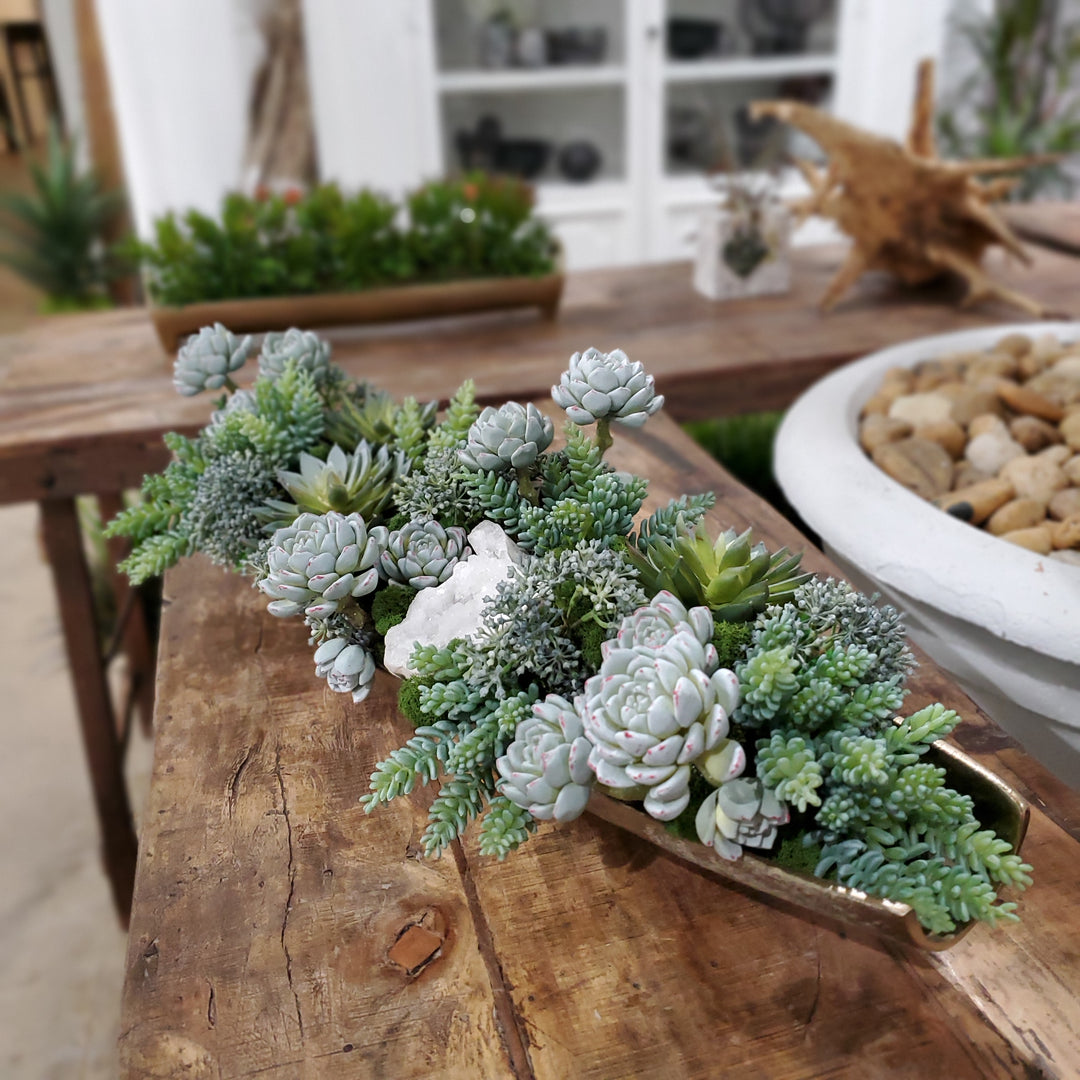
{"x": 320, "y": 562}
{"x": 740, "y": 812}
{"x": 348, "y": 668}
{"x": 651, "y": 712}
{"x": 601, "y": 386}
{"x": 545, "y": 770}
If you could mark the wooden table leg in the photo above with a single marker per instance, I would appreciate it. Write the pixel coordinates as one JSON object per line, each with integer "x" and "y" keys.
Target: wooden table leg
{"x": 101, "y": 742}
{"x": 135, "y": 634}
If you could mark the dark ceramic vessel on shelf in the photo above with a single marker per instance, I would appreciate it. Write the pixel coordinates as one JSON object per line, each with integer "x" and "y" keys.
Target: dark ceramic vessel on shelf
{"x": 779, "y": 27}
{"x": 579, "y": 161}
{"x": 577, "y": 45}
{"x": 522, "y": 157}
{"x": 691, "y": 39}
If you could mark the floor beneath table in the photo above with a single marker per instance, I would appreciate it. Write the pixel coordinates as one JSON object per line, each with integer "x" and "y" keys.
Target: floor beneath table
{"x": 63, "y": 951}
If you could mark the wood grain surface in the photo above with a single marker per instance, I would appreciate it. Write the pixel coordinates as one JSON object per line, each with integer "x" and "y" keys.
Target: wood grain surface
{"x": 278, "y": 931}
{"x": 84, "y": 399}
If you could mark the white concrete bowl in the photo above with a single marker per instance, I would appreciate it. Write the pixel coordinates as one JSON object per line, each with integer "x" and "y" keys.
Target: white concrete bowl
{"x": 1002, "y": 620}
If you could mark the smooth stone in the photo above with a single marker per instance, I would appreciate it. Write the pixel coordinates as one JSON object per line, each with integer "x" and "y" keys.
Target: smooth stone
{"x": 993, "y": 364}
{"x": 1071, "y": 469}
{"x": 918, "y": 464}
{"x": 878, "y": 429}
{"x": 1067, "y": 555}
{"x": 970, "y": 401}
{"x": 993, "y": 450}
{"x": 900, "y": 376}
{"x": 882, "y": 401}
{"x": 1017, "y": 344}
{"x": 1033, "y": 434}
{"x": 986, "y": 423}
{"x": 1061, "y": 387}
{"x": 1016, "y": 514}
{"x": 922, "y": 408}
{"x": 1066, "y": 534}
{"x": 1023, "y": 399}
{"x": 965, "y": 475}
{"x": 1067, "y": 366}
{"x": 930, "y": 376}
{"x": 1056, "y": 454}
{"x": 1035, "y": 477}
{"x": 1070, "y": 431}
{"x": 1065, "y": 503}
{"x": 976, "y": 502}
{"x": 1035, "y": 539}
{"x": 948, "y": 434}
{"x": 453, "y": 609}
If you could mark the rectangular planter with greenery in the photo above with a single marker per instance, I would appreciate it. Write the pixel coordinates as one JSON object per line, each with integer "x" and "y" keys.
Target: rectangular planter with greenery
{"x": 272, "y": 261}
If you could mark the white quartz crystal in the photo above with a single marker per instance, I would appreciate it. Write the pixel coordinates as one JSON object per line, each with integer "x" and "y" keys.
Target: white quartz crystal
{"x": 452, "y": 610}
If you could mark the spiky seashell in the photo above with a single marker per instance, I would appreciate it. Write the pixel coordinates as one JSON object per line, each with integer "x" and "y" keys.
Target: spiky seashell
{"x": 207, "y": 358}
{"x": 308, "y": 350}
{"x": 545, "y": 770}
{"x": 348, "y": 668}
{"x": 740, "y": 812}
{"x": 606, "y": 386}
{"x": 423, "y": 554}
{"x": 650, "y": 715}
{"x": 511, "y": 436}
{"x": 320, "y": 561}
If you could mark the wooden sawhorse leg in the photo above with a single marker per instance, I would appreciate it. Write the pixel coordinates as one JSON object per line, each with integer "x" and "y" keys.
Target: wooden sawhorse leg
{"x": 101, "y": 739}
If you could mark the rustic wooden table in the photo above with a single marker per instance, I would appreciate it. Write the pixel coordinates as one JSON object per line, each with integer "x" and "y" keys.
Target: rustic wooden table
{"x": 270, "y": 912}
{"x": 84, "y": 401}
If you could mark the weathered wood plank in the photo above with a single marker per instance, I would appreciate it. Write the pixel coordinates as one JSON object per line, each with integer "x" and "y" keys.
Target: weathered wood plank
{"x": 76, "y": 380}
{"x": 268, "y": 905}
{"x": 600, "y": 958}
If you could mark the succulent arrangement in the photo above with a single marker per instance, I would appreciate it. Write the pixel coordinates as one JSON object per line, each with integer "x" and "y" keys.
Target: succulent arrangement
{"x": 552, "y": 642}
{"x": 327, "y": 241}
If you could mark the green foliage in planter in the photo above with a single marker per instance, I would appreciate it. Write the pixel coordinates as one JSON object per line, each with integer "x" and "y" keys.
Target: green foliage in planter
{"x": 326, "y": 241}
{"x": 54, "y": 235}
{"x": 743, "y": 445}
{"x": 1021, "y": 98}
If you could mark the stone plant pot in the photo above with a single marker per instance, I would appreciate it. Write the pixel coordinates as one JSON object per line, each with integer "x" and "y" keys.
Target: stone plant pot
{"x": 738, "y": 257}
{"x": 1004, "y": 621}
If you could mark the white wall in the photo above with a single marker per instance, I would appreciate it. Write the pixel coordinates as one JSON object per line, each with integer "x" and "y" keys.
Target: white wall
{"x": 60, "y": 30}
{"x": 180, "y": 86}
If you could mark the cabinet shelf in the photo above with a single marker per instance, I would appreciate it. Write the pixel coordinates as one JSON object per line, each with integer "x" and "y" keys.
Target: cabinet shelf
{"x": 746, "y": 68}
{"x": 486, "y": 81}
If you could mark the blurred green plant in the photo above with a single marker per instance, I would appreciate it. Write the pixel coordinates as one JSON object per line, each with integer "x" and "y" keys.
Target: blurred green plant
{"x": 1023, "y": 98}
{"x": 325, "y": 241}
{"x": 744, "y": 446}
{"x": 54, "y": 234}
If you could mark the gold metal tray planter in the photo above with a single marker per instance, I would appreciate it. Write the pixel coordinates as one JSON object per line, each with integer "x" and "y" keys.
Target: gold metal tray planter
{"x": 997, "y": 806}
{"x": 396, "y": 303}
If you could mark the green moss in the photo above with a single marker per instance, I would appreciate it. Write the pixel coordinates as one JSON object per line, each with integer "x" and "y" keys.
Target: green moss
{"x": 590, "y": 638}
{"x": 390, "y": 606}
{"x": 397, "y": 521}
{"x": 409, "y": 700}
{"x": 731, "y": 640}
{"x": 794, "y": 854}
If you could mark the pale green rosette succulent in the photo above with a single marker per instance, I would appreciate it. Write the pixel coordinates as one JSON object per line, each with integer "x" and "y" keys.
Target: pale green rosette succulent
{"x": 321, "y": 561}
{"x": 207, "y": 359}
{"x": 347, "y": 668}
{"x": 423, "y": 554}
{"x": 606, "y": 386}
{"x": 545, "y": 770}
{"x": 510, "y": 437}
{"x": 308, "y": 350}
{"x": 356, "y": 483}
{"x": 651, "y": 627}
{"x": 651, "y": 714}
{"x": 741, "y": 812}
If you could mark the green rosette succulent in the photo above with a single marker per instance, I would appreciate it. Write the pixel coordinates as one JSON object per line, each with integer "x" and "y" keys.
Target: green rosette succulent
{"x": 651, "y": 715}
{"x": 306, "y": 349}
{"x": 207, "y": 359}
{"x": 731, "y": 576}
{"x": 606, "y": 386}
{"x": 545, "y": 770}
{"x": 740, "y": 813}
{"x": 423, "y": 554}
{"x": 510, "y": 437}
{"x": 356, "y": 483}
{"x": 348, "y": 668}
{"x": 320, "y": 562}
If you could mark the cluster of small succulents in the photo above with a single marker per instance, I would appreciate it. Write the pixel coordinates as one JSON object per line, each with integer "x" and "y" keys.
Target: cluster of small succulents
{"x": 732, "y": 695}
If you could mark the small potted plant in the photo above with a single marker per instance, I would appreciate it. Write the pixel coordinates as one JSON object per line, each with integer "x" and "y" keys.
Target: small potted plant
{"x": 743, "y": 244}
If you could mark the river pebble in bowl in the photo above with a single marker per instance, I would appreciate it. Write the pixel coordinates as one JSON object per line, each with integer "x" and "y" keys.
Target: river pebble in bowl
{"x": 991, "y": 437}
